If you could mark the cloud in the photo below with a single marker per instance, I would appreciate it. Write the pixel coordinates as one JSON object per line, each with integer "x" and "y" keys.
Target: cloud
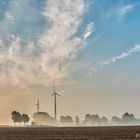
{"x": 133, "y": 50}
{"x": 51, "y": 55}
{"x": 120, "y": 11}
{"x": 91, "y": 71}
{"x": 2, "y": 2}
{"x": 89, "y": 29}
{"x": 9, "y": 17}
{"x": 123, "y": 10}
{"x": 22, "y": 19}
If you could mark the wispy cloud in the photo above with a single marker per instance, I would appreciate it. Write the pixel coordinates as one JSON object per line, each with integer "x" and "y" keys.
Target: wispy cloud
{"x": 125, "y": 9}
{"x": 120, "y": 11}
{"x": 2, "y": 2}
{"x": 133, "y": 50}
{"x": 89, "y": 29}
{"x": 9, "y": 17}
{"x": 115, "y": 59}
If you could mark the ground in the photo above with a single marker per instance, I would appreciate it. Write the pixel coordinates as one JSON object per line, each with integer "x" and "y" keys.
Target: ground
{"x": 70, "y": 133}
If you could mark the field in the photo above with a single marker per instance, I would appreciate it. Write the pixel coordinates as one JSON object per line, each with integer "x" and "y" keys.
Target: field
{"x": 70, "y": 133}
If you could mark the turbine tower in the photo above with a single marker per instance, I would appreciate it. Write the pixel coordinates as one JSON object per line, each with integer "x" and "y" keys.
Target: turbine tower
{"x": 55, "y": 94}
{"x": 37, "y": 106}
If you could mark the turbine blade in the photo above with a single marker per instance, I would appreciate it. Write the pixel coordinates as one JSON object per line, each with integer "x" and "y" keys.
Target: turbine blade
{"x": 50, "y": 96}
{"x": 53, "y": 86}
{"x": 59, "y": 95}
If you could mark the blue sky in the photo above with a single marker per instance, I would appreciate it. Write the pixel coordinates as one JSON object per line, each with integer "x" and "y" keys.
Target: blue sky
{"x": 89, "y": 47}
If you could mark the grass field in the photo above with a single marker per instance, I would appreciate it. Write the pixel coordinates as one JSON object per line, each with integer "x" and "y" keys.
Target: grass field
{"x": 71, "y": 133}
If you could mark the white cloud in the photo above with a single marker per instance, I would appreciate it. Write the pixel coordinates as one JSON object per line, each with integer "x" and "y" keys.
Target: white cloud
{"x": 92, "y": 71}
{"x": 89, "y": 29}
{"x": 9, "y": 17}
{"x": 123, "y": 10}
{"x": 59, "y": 44}
{"x": 1, "y": 44}
{"x": 2, "y": 2}
{"x": 52, "y": 56}
{"x": 135, "y": 49}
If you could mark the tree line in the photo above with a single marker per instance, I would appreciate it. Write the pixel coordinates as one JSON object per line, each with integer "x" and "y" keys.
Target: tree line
{"x": 89, "y": 119}
{"x": 19, "y": 118}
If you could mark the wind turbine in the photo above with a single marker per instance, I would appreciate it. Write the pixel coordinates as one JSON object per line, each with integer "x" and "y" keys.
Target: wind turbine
{"x": 55, "y": 94}
{"x": 38, "y": 106}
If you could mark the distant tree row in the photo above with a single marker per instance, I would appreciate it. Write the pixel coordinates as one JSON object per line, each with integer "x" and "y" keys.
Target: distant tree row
{"x": 95, "y": 120}
{"x": 66, "y": 120}
{"x": 91, "y": 119}
{"x": 19, "y": 118}
{"x": 126, "y": 118}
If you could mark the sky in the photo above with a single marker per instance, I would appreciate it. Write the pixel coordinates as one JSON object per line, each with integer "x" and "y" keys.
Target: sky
{"x": 90, "y": 48}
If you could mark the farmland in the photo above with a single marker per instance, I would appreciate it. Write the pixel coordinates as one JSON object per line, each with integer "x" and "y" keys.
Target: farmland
{"x": 70, "y": 133}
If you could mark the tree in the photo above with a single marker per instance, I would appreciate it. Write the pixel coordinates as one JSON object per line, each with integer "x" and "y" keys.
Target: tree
{"x": 125, "y": 117}
{"x": 66, "y": 120}
{"x": 128, "y": 118}
{"x": 16, "y": 117}
{"x": 25, "y": 118}
{"x": 62, "y": 120}
{"x": 104, "y": 120}
{"x": 77, "y": 121}
{"x": 96, "y": 119}
{"x": 132, "y": 117}
{"x": 69, "y": 120}
{"x": 87, "y": 119}
{"x": 116, "y": 119}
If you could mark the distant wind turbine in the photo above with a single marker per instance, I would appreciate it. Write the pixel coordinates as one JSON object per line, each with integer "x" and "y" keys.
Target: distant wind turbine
{"x": 55, "y": 94}
{"x": 38, "y": 106}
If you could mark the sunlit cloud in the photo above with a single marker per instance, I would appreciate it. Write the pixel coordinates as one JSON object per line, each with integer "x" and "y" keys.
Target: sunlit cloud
{"x": 50, "y": 55}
